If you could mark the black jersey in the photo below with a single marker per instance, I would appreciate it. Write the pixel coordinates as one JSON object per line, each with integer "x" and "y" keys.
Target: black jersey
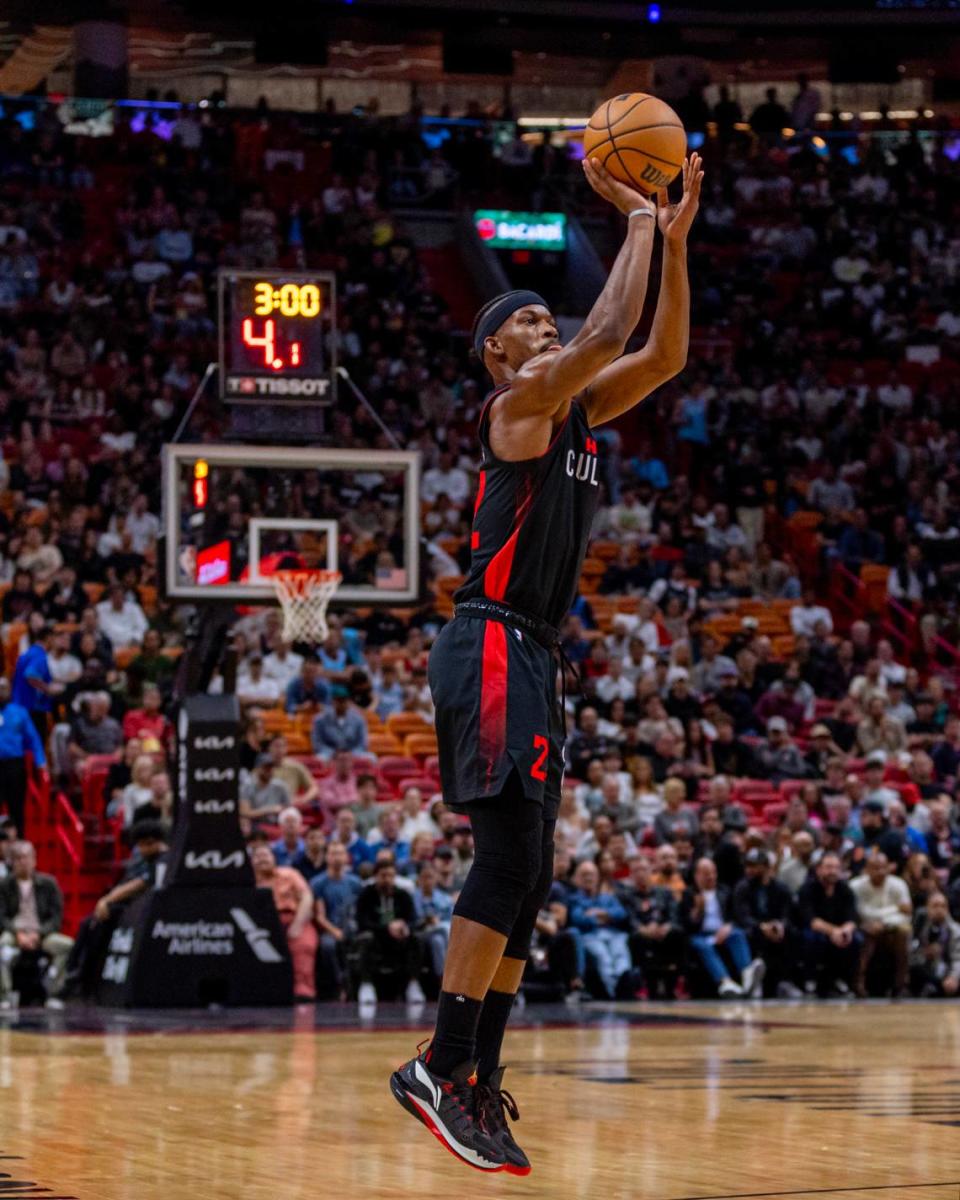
{"x": 532, "y": 521}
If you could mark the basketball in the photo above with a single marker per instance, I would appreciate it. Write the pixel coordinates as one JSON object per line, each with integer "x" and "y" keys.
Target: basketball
{"x": 639, "y": 139}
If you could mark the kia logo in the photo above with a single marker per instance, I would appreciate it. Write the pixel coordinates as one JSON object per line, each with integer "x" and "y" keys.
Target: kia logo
{"x": 213, "y": 860}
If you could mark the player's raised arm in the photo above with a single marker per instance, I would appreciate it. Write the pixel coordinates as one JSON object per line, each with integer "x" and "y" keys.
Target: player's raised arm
{"x": 519, "y": 343}
{"x": 624, "y": 383}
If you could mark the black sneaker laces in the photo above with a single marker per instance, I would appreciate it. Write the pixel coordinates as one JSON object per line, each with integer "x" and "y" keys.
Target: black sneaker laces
{"x": 493, "y": 1104}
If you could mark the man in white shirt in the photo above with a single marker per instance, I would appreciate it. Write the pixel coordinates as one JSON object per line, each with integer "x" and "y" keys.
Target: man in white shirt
{"x": 614, "y": 685}
{"x": 64, "y": 667}
{"x": 447, "y": 480}
{"x": 121, "y": 619}
{"x": 885, "y": 910}
{"x": 805, "y": 617}
{"x": 143, "y": 526}
{"x": 283, "y": 664}
{"x": 896, "y": 397}
{"x": 253, "y": 686}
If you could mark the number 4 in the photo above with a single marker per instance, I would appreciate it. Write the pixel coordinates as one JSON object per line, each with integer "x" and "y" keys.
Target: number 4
{"x": 539, "y": 770}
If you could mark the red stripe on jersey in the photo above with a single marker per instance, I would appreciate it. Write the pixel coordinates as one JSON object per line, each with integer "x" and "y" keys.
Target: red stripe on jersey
{"x": 493, "y": 695}
{"x": 481, "y": 488}
{"x": 496, "y": 577}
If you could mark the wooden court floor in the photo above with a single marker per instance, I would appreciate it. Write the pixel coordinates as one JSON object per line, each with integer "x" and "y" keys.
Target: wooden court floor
{"x": 685, "y": 1102}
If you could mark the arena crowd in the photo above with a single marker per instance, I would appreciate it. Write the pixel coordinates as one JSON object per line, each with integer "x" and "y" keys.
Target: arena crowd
{"x": 762, "y": 752}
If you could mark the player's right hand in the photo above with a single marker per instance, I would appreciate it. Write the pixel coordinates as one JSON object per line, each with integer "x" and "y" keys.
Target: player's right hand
{"x": 621, "y": 195}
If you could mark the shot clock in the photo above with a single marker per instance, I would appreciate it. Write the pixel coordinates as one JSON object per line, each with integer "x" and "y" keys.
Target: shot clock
{"x": 274, "y": 337}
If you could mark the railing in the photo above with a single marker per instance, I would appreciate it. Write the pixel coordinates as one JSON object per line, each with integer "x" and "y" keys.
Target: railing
{"x": 900, "y": 626}
{"x": 847, "y": 595}
{"x": 68, "y": 848}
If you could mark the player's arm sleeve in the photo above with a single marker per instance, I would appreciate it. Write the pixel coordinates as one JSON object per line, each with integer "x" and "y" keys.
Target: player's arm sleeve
{"x": 623, "y": 384}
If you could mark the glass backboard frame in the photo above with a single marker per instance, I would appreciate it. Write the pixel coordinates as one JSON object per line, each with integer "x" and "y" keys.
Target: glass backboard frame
{"x": 258, "y": 589}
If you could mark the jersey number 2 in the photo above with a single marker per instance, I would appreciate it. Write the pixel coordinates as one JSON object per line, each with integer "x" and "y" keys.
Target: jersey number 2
{"x": 539, "y": 770}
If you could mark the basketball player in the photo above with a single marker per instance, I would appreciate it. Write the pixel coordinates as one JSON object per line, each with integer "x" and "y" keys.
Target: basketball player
{"x": 493, "y": 669}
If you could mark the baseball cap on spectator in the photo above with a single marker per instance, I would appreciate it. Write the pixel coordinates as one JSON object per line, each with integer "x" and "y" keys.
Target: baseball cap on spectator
{"x": 874, "y": 806}
{"x": 876, "y": 758}
{"x": 776, "y": 724}
{"x": 676, "y": 673}
{"x": 734, "y": 818}
{"x": 819, "y": 731}
{"x": 749, "y": 623}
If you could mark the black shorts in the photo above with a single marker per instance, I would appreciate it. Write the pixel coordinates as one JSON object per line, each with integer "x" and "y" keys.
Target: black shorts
{"x": 495, "y": 691}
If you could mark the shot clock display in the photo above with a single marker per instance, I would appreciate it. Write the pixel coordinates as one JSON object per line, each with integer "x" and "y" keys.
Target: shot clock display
{"x": 274, "y": 336}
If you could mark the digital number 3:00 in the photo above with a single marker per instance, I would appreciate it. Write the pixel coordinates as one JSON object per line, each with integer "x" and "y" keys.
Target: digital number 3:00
{"x": 292, "y": 299}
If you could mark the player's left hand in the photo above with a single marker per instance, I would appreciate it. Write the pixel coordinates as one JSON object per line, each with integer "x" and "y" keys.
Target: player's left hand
{"x": 675, "y": 219}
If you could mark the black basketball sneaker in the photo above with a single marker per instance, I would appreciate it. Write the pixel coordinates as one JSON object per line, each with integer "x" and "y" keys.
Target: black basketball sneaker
{"x": 493, "y": 1105}
{"x": 448, "y": 1108}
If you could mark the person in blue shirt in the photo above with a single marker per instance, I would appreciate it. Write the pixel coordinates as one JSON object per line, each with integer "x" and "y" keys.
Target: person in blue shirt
{"x": 309, "y": 690}
{"x": 335, "y": 891}
{"x": 434, "y": 910}
{"x": 386, "y": 836}
{"x": 18, "y": 736}
{"x": 389, "y": 695}
{"x": 359, "y": 850}
{"x": 289, "y": 845}
{"x": 33, "y": 686}
{"x": 341, "y": 728}
{"x": 602, "y": 921}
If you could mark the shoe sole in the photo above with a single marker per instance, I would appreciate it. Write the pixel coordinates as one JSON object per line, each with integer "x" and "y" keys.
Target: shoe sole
{"x": 415, "y": 1108}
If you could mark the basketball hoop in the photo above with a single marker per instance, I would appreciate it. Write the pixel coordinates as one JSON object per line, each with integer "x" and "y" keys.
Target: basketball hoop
{"x": 304, "y": 596}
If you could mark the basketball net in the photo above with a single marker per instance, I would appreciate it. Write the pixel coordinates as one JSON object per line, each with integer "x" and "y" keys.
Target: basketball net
{"x": 304, "y": 597}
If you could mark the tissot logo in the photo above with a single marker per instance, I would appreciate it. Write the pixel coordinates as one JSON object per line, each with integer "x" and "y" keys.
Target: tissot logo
{"x": 214, "y": 806}
{"x": 214, "y": 743}
{"x": 214, "y": 774}
{"x": 266, "y": 386}
{"x": 213, "y": 860}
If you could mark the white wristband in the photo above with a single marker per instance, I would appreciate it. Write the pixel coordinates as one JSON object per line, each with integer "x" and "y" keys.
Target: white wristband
{"x": 640, "y": 211}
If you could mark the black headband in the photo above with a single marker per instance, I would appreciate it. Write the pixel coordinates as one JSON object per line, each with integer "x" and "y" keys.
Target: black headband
{"x": 496, "y": 311}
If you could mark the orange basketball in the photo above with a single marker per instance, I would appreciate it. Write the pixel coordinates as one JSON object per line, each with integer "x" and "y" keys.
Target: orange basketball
{"x": 639, "y": 139}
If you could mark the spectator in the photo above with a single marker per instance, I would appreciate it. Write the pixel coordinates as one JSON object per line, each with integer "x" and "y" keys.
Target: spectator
{"x": 94, "y": 731}
{"x": 283, "y": 665}
{"x": 762, "y": 908}
{"x": 309, "y": 691}
{"x": 343, "y": 787}
{"x": 345, "y": 831}
{"x": 31, "y": 920}
{"x": 656, "y": 940}
{"x": 263, "y": 796}
{"x": 674, "y": 818}
{"x": 386, "y": 835}
{"x": 294, "y": 901}
{"x": 18, "y": 738}
{"x": 386, "y": 917}
{"x": 434, "y": 910}
{"x": 254, "y": 687}
{"x": 770, "y": 117}
{"x": 935, "y": 952}
{"x": 335, "y": 890}
{"x": 290, "y": 845}
{"x": 137, "y": 794}
{"x": 298, "y": 781}
{"x": 667, "y": 871}
{"x": 777, "y": 756}
{"x": 706, "y": 916}
{"x": 602, "y": 922}
{"x": 148, "y": 723}
{"x": 341, "y": 729}
{"x": 885, "y": 911}
{"x": 312, "y": 859}
{"x": 827, "y": 917}
{"x": 877, "y": 730}
{"x": 120, "y": 619}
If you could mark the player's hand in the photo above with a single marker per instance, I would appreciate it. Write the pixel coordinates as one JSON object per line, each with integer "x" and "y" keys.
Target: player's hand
{"x": 621, "y": 195}
{"x": 675, "y": 219}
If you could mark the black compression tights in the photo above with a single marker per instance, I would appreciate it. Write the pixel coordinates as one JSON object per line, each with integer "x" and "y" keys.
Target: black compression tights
{"x": 512, "y": 866}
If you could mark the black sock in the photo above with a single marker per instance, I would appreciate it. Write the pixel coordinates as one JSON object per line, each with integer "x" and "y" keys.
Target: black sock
{"x": 455, "y": 1040}
{"x": 490, "y": 1031}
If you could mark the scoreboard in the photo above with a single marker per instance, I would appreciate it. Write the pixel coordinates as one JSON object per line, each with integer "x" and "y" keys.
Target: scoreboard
{"x": 277, "y": 336}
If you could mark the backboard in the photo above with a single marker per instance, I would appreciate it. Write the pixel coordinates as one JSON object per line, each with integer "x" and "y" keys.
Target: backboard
{"x": 234, "y": 514}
